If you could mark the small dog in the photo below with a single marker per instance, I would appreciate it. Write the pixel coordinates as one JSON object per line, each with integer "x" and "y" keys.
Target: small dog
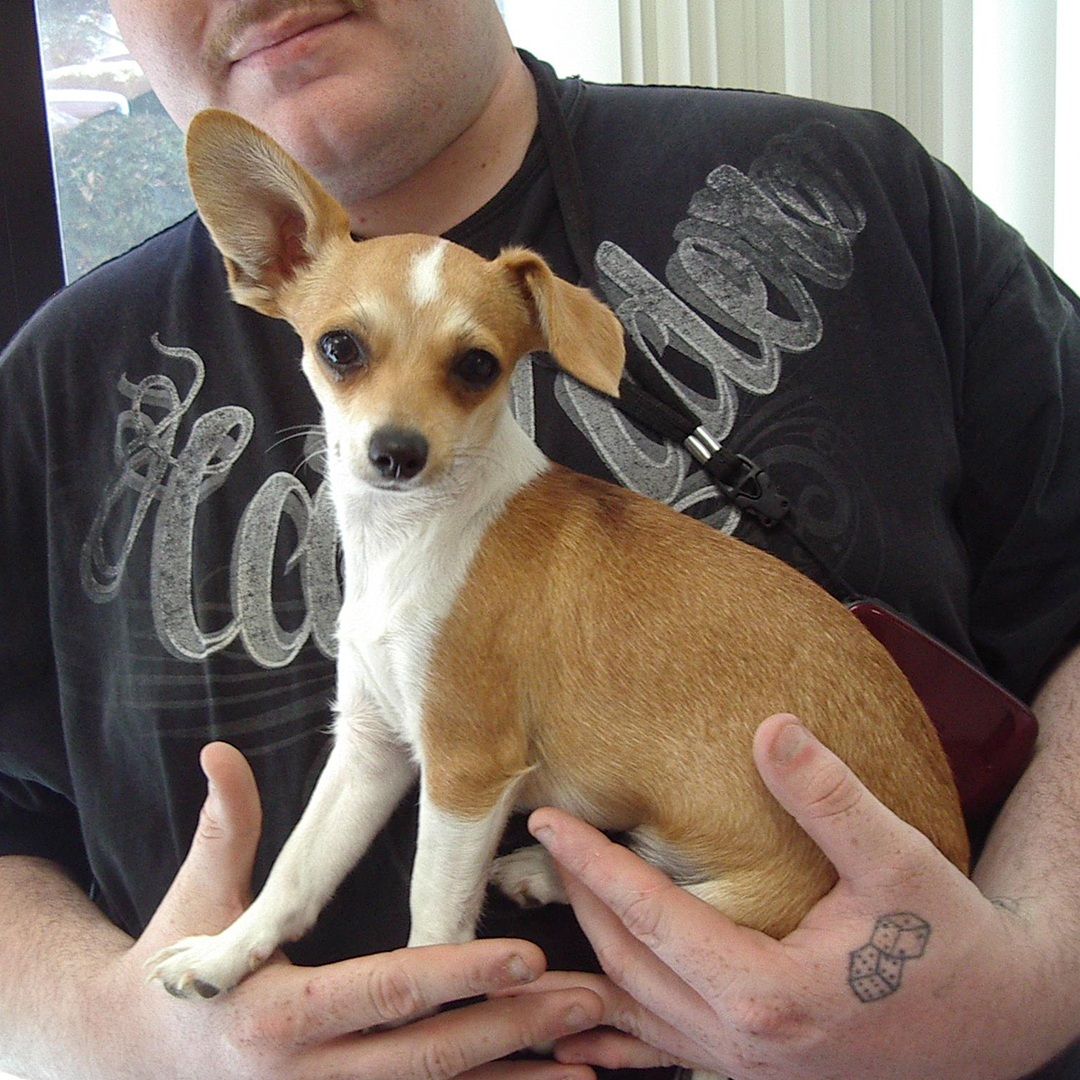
{"x": 516, "y": 633}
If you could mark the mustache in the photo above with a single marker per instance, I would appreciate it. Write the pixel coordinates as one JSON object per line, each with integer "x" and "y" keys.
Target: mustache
{"x": 219, "y": 46}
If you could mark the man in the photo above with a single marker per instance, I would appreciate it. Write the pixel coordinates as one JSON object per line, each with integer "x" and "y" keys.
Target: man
{"x": 848, "y": 315}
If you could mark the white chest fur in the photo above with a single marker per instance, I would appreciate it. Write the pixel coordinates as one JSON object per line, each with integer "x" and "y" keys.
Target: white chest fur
{"x": 406, "y": 557}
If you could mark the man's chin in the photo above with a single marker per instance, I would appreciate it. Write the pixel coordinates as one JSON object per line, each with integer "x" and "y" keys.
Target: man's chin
{"x": 352, "y": 146}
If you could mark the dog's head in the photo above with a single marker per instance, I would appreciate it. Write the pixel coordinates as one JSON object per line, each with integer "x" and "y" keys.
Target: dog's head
{"x": 409, "y": 341}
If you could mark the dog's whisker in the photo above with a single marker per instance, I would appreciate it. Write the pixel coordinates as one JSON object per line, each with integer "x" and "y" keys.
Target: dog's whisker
{"x": 299, "y": 431}
{"x": 309, "y": 458}
{"x": 470, "y": 455}
{"x": 299, "y": 427}
{"x": 287, "y": 438}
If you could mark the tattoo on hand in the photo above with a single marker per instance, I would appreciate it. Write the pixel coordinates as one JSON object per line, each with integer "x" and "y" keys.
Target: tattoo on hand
{"x": 874, "y": 970}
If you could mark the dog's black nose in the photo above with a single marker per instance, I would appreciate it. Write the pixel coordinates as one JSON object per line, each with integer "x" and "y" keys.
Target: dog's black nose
{"x": 398, "y": 454}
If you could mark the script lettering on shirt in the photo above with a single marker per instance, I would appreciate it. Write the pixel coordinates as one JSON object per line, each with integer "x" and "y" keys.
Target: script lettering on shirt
{"x": 742, "y": 257}
{"x": 180, "y": 484}
{"x": 741, "y": 253}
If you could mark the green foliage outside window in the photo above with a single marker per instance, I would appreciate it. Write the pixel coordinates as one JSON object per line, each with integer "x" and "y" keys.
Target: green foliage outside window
{"x": 120, "y": 179}
{"x": 119, "y": 167}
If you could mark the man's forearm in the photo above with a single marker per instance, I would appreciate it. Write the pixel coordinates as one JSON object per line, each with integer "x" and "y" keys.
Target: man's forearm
{"x": 1029, "y": 863}
{"x": 54, "y": 945}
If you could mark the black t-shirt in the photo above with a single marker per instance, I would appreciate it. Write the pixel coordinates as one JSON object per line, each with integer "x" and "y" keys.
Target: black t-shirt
{"x": 850, "y": 317}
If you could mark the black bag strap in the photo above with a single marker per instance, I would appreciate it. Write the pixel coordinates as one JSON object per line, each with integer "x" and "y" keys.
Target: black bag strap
{"x": 644, "y": 395}
{"x": 656, "y": 407}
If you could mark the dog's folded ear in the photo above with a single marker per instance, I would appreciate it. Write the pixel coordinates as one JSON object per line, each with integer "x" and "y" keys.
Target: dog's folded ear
{"x": 581, "y": 333}
{"x": 267, "y": 216}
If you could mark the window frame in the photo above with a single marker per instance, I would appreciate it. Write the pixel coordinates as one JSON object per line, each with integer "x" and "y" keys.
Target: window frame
{"x": 31, "y": 255}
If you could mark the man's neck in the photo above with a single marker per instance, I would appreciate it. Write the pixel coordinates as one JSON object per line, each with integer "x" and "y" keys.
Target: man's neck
{"x": 467, "y": 173}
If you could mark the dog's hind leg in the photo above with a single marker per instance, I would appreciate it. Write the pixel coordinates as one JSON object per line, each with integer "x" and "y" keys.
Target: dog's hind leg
{"x": 528, "y": 877}
{"x": 770, "y": 892}
{"x": 772, "y": 900}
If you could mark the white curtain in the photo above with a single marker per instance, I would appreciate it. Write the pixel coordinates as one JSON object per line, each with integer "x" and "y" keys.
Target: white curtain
{"x": 880, "y": 54}
{"x": 989, "y": 86}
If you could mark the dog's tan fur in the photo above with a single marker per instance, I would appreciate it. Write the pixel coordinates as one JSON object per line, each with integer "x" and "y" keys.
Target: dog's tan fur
{"x": 655, "y": 646}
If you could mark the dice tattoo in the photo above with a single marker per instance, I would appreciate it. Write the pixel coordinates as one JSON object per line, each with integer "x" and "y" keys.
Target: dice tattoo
{"x": 874, "y": 970}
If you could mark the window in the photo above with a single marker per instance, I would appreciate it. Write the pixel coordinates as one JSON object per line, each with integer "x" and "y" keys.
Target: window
{"x": 117, "y": 157}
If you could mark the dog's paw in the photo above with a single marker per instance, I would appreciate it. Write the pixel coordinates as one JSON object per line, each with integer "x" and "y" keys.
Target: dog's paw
{"x": 528, "y": 876}
{"x": 201, "y": 967}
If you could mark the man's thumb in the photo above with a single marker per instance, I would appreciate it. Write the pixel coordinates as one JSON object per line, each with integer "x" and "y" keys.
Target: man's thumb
{"x": 213, "y": 885}
{"x": 853, "y": 828}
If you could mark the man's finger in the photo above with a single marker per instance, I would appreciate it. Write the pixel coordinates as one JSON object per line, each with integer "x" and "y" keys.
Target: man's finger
{"x": 612, "y": 1050}
{"x": 630, "y": 964}
{"x": 529, "y": 1070}
{"x": 622, "y": 1011}
{"x": 318, "y": 1005}
{"x": 213, "y": 885}
{"x": 666, "y": 919}
{"x": 453, "y": 1042}
{"x": 857, "y": 833}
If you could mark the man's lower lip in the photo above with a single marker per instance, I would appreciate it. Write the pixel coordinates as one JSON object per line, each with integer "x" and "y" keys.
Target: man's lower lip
{"x": 290, "y": 48}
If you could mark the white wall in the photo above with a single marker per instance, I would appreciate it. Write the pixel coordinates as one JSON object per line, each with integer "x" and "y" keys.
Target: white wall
{"x": 1067, "y": 145}
{"x": 580, "y": 37}
{"x": 1013, "y": 134}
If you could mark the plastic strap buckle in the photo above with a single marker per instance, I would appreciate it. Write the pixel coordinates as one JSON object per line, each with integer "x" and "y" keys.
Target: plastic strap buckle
{"x": 741, "y": 480}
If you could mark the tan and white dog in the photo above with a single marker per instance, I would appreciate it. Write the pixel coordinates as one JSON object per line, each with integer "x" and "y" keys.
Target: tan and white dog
{"x": 516, "y": 633}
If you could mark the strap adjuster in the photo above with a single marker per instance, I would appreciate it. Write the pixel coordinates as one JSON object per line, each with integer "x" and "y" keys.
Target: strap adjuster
{"x": 702, "y": 445}
{"x": 741, "y": 480}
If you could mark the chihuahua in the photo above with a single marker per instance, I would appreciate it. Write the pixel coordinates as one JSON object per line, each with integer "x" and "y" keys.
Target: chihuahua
{"x": 515, "y": 633}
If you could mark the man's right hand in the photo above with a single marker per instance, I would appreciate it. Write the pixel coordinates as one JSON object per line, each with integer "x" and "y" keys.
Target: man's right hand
{"x": 285, "y": 1021}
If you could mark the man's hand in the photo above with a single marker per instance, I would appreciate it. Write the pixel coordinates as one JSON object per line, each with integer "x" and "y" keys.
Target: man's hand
{"x": 904, "y": 970}
{"x": 286, "y": 1021}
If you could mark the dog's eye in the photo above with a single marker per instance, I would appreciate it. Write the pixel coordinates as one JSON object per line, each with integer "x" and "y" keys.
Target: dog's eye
{"x": 476, "y": 369}
{"x": 340, "y": 349}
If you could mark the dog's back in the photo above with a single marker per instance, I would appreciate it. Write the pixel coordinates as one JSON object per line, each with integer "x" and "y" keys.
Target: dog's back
{"x": 625, "y": 658}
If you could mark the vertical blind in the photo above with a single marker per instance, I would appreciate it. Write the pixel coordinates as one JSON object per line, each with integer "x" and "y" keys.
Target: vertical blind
{"x": 988, "y": 86}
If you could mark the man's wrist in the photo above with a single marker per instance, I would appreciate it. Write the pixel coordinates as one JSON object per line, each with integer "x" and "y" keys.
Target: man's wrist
{"x": 59, "y": 957}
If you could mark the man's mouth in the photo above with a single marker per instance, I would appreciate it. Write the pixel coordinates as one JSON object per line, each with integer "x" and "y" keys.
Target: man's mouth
{"x": 261, "y": 37}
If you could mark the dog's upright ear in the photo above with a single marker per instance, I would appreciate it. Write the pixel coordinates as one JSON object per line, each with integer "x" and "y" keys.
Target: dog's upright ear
{"x": 580, "y": 332}
{"x": 267, "y": 216}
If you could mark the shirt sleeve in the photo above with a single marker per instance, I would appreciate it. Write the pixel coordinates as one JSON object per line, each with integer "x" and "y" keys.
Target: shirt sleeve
{"x": 1018, "y": 404}
{"x": 37, "y": 811}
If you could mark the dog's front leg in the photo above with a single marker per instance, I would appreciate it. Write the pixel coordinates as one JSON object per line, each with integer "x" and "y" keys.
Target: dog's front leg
{"x": 454, "y": 852}
{"x": 365, "y": 777}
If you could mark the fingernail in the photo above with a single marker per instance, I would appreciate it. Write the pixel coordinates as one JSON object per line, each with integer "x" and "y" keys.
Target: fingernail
{"x": 789, "y": 742}
{"x": 575, "y": 1018}
{"x": 518, "y": 971}
{"x": 543, "y": 834}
